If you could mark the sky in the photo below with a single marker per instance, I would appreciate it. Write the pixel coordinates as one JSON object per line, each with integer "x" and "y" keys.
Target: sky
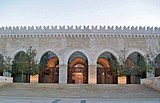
{"x": 80, "y": 12}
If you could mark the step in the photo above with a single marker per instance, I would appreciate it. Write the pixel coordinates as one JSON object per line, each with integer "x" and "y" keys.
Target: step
{"x": 103, "y": 91}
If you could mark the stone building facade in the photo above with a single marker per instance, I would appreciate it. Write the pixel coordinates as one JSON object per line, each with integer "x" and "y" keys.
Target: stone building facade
{"x": 86, "y": 43}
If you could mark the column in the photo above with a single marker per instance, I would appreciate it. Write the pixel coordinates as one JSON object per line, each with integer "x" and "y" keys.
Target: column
{"x": 63, "y": 74}
{"x": 92, "y": 74}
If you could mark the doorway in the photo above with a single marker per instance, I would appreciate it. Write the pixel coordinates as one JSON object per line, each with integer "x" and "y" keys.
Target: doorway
{"x": 78, "y": 78}
{"x": 77, "y": 69}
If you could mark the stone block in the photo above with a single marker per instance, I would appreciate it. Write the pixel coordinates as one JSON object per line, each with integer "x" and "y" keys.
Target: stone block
{"x": 6, "y": 79}
{"x": 153, "y": 82}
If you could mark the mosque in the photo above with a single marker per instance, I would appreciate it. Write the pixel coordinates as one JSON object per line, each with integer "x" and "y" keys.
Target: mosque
{"x": 82, "y": 54}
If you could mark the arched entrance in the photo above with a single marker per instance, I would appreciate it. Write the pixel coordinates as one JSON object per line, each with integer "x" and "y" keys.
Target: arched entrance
{"x": 1, "y": 65}
{"x": 49, "y": 68}
{"x": 135, "y": 68}
{"x": 106, "y": 69}
{"x": 20, "y": 68}
{"x": 157, "y": 62}
{"x": 78, "y": 68}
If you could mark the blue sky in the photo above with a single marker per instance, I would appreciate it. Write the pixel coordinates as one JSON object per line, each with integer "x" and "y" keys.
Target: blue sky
{"x": 80, "y": 12}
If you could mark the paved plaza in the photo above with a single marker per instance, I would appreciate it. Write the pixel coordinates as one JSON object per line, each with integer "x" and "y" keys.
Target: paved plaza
{"x": 74, "y": 93}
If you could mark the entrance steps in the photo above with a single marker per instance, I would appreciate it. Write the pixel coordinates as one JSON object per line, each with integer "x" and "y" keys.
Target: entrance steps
{"x": 95, "y": 91}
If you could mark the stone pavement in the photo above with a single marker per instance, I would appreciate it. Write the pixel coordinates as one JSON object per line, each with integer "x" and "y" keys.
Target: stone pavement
{"x": 74, "y": 93}
{"x": 71, "y": 100}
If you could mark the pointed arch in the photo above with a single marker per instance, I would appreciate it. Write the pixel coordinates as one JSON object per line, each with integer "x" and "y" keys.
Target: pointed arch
{"x": 131, "y": 50}
{"x": 77, "y": 68}
{"x": 49, "y": 68}
{"x": 135, "y": 67}
{"x": 70, "y": 52}
{"x": 41, "y": 52}
{"x": 106, "y": 68}
{"x": 108, "y": 50}
{"x": 14, "y": 53}
{"x": 20, "y": 68}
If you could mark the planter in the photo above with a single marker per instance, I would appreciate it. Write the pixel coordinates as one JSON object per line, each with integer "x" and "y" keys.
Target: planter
{"x": 122, "y": 79}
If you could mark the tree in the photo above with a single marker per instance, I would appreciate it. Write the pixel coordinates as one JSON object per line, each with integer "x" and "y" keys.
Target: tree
{"x": 150, "y": 58}
{"x": 150, "y": 63}
{"x": 19, "y": 64}
{"x": 6, "y": 65}
{"x": 25, "y": 63}
{"x": 32, "y": 63}
{"x": 141, "y": 65}
{"x": 113, "y": 64}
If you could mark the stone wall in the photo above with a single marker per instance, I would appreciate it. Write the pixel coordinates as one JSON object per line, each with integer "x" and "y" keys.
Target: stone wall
{"x": 92, "y": 41}
{"x": 153, "y": 82}
{"x": 5, "y": 80}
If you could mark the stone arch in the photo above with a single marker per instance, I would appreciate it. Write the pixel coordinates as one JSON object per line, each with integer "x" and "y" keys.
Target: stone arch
{"x": 49, "y": 68}
{"x": 1, "y": 64}
{"x": 20, "y": 68}
{"x": 104, "y": 50}
{"x": 77, "y": 68}
{"x": 157, "y": 62}
{"x": 41, "y": 52}
{"x": 13, "y": 54}
{"x": 131, "y": 50}
{"x": 70, "y": 52}
{"x": 107, "y": 66}
{"x": 135, "y": 67}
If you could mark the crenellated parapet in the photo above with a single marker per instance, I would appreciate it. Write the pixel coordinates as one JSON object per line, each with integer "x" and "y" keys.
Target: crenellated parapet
{"x": 82, "y": 29}
{"x": 74, "y": 31}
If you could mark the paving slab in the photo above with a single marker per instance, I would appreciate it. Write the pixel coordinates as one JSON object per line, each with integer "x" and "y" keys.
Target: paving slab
{"x": 71, "y": 100}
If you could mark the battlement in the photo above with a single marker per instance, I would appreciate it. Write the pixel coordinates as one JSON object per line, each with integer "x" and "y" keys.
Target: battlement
{"x": 79, "y": 29}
